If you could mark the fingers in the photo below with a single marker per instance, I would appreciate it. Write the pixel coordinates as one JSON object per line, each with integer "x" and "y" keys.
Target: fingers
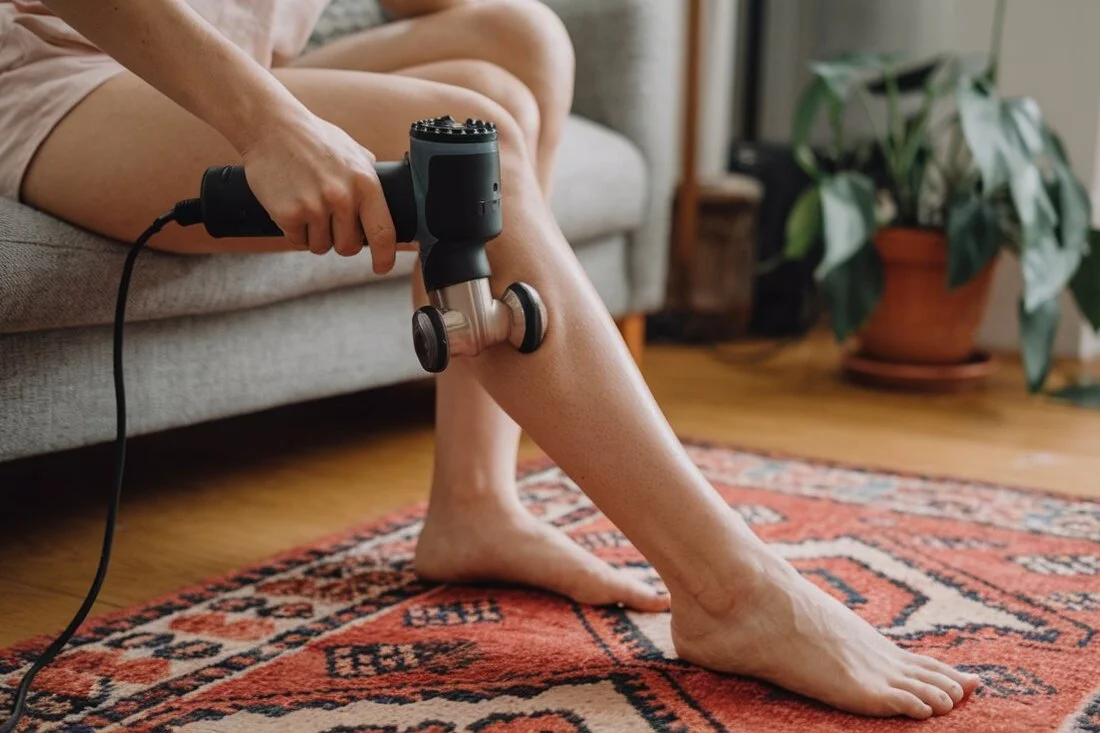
{"x": 320, "y": 233}
{"x": 374, "y": 217}
{"x": 347, "y": 235}
{"x": 297, "y": 235}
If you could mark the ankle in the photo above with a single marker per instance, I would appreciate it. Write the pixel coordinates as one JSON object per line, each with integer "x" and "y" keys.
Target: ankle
{"x": 473, "y": 502}
{"x": 730, "y": 578}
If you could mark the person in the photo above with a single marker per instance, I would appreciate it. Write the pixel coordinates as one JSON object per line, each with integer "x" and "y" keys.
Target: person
{"x": 112, "y": 110}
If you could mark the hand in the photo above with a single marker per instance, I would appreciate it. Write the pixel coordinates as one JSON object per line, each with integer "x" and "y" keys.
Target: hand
{"x": 319, "y": 185}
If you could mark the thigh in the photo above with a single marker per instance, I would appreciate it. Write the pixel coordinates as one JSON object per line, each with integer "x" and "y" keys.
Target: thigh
{"x": 149, "y": 153}
{"x": 491, "y": 81}
{"x": 525, "y": 37}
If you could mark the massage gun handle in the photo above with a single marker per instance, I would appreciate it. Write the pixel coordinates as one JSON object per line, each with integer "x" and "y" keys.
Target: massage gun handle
{"x": 229, "y": 209}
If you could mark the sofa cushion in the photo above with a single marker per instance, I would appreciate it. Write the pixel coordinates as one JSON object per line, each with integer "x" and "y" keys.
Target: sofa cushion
{"x": 55, "y": 386}
{"x": 53, "y": 275}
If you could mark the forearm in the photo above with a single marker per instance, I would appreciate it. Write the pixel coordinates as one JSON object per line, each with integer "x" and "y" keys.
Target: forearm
{"x": 175, "y": 50}
{"x": 412, "y": 8}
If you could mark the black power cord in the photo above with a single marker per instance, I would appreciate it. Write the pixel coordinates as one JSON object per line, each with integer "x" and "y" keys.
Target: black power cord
{"x": 184, "y": 213}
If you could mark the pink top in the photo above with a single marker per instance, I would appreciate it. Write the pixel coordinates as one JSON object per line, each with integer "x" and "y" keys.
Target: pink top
{"x": 271, "y": 31}
{"x": 46, "y": 67}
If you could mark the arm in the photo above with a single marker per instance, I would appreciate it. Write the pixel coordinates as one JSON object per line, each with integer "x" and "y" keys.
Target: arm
{"x": 317, "y": 183}
{"x": 174, "y": 49}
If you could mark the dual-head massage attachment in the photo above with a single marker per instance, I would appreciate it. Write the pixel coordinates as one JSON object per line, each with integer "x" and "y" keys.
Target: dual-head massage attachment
{"x": 446, "y": 195}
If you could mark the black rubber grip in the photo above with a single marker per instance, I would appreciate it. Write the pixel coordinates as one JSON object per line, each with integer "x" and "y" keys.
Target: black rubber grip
{"x": 532, "y": 319}
{"x": 229, "y": 208}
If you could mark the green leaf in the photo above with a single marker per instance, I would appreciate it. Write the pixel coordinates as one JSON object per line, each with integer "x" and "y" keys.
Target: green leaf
{"x": 974, "y": 237}
{"x": 1056, "y": 146}
{"x": 848, "y": 203}
{"x": 1086, "y": 283}
{"x": 1037, "y": 329}
{"x": 1033, "y": 206}
{"x": 1085, "y": 394}
{"x": 910, "y": 79}
{"x": 804, "y": 224}
{"x": 1026, "y": 121}
{"x": 980, "y": 115}
{"x": 854, "y": 290}
{"x": 1073, "y": 209}
{"x": 805, "y": 112}
{"x": 1047, "y": 269}
{"x": 916, "y": 138}
{"x": 843, "y": 72}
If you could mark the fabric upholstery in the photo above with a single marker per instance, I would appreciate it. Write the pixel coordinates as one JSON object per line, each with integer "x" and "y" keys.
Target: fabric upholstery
{"x": 56, "y": 387}
{"x": 629, "y": 56}
{"x": 53, "y": 275}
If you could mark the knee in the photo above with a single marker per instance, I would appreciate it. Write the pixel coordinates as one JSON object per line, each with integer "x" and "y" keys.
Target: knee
{"x": 516, "y": 158}
{"x": 537, "y": 45}
{"x": 506, "y": 90}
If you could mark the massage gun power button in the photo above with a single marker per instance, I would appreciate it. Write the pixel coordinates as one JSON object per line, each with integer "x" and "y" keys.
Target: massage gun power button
{"x": 448, "y": 130}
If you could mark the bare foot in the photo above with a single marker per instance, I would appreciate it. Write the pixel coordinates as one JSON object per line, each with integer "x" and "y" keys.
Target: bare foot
{"x": 489, "y": 542}
{"x": 778, "y": 626}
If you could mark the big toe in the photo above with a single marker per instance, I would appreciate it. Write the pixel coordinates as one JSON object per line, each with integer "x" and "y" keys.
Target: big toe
{"x": 609, "y": 587}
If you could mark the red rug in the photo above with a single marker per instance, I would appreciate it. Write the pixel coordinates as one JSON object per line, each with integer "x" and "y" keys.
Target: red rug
{"x": 341, "y": 637}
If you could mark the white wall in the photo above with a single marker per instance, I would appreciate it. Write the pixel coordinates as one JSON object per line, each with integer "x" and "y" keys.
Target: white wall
{"x": 798, "y": 31}
{"x": 717, "y": 84}
{"x": 1049, "y": 52}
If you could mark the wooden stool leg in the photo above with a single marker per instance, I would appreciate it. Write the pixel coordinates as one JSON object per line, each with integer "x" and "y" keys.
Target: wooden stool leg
{"x": 632, "y": 327}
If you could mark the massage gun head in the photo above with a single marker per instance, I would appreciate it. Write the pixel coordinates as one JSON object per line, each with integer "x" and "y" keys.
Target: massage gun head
{"x": 465, "y": 319}
{"x": 448, "y": 130}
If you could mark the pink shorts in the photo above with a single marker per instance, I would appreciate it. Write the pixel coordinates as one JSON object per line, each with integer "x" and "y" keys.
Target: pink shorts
{"x": 47, "y": 68}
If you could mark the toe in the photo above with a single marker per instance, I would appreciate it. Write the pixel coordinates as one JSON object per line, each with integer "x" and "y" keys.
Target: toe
{"x": 933, "y": 696}
{"x": 942, "y": 681}
{"x": 968, "y": 682}
{"x": 903, "y": 702}
{"x": 614, "y": 587}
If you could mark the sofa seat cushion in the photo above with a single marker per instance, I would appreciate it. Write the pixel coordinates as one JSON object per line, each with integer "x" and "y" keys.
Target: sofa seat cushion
{"x": 54, "y": 275}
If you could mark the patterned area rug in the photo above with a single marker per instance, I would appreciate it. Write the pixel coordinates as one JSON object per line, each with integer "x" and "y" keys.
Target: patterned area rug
{"x": 341, "y": 637}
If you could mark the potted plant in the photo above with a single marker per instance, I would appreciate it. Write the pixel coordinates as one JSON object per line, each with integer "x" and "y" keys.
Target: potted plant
{"x": 908, "y": 222}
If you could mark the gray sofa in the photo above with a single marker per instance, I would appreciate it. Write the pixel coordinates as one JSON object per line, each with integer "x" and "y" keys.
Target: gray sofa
{"x": 214, "y": 336}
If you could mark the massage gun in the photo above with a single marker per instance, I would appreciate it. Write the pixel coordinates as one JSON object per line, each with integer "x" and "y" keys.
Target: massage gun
{"x": 445, "y": 195}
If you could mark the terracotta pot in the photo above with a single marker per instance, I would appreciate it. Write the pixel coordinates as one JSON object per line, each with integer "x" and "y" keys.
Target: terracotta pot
{"x": 919, "y": 320}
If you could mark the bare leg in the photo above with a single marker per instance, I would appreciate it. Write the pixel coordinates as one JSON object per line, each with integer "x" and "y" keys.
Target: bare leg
{"x": 476, "y": 528}
{"x": 736, "y": 606}
{"x": 523, "y": 37}
{"x": 517, "y": 54}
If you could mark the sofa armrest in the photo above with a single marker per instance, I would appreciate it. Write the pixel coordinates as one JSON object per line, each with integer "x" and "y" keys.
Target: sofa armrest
{"x": 629, "y": 64}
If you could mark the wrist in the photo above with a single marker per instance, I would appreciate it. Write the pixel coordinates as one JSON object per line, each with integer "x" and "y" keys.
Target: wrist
{"x": 257, "y": 115}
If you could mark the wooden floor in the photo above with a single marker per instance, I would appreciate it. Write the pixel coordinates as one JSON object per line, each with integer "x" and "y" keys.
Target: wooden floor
{"x": 202, "y": 501}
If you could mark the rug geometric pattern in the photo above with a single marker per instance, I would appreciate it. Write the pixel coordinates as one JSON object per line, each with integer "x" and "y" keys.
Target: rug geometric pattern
{"x": 340, "y": 637}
